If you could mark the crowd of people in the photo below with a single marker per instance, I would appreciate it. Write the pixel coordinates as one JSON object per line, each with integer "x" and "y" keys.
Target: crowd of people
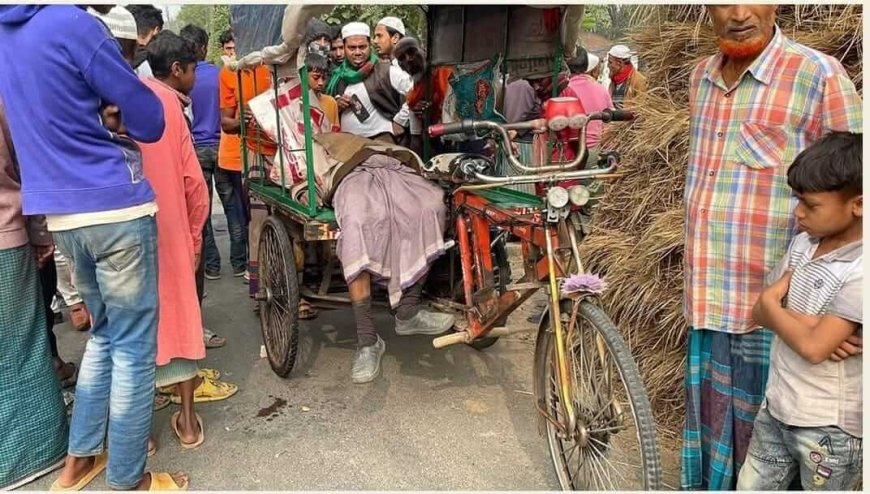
{"x": 105, "y": 197}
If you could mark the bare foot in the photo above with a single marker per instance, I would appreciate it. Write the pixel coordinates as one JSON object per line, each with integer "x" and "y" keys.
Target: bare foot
{"x": 179, "y": 478}
{"x": 152, "y": 447}
{"x": 74, "y": 469}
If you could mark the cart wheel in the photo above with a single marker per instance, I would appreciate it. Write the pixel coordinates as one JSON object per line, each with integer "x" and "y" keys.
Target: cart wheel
{"x": 279, "y": 296}
{"x": 612, "y": 446}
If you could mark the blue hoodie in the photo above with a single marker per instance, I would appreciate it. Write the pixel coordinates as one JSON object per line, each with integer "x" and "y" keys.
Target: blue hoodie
{"x": 59, "y": 66}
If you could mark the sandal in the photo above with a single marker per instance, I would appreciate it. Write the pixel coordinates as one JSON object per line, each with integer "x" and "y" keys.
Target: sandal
{"x": 80, "y": 317}
{"x": 164, "y": 482}
{"x": 212, "y": 340}
{"x": 173, "y": 421}
{"x": 98, "y": 467}
{"x": 160, "y": 402}
{"x": 212, "y": 374}
{"x": 209, "y": 390}
{"x": 306, "y": 310}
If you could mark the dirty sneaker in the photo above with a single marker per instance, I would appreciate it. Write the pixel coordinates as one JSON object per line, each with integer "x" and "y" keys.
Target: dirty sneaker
{"x": 367, "y": 362}
{"x": 425, "y": 322}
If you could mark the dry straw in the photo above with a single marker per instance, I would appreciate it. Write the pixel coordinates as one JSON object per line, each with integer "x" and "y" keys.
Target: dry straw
{"x": 637, "y": 241}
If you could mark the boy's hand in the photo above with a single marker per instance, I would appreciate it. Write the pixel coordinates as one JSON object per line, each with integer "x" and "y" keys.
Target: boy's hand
{"x": 854, "y": 345}
{"x": 778, "y": 290}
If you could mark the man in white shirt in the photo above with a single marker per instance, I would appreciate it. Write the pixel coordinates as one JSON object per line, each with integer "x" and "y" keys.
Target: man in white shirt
{"x": 369, "y": 93}
{"x": 388, "y": 32}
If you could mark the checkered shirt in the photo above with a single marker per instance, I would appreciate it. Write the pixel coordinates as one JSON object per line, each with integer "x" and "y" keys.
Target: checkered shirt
{"x": 739, "y": 206}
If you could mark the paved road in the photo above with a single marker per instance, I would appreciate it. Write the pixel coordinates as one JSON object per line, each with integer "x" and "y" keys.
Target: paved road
{"x": 436, "y": 419}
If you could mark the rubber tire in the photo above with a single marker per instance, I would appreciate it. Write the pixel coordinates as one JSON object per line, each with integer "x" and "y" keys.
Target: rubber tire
{"x": 281, "y": 360}
{"x": 630, "y": 375}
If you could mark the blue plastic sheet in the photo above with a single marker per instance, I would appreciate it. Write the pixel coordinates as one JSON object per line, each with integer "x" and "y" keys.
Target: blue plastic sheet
{"x": 256, "y": 26}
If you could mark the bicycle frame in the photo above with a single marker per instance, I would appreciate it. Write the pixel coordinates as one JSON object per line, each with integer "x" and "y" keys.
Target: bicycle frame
{"x": 475, "y": 215}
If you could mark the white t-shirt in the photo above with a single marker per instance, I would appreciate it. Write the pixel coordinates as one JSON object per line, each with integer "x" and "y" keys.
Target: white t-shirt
{"x": 376, "y": 123}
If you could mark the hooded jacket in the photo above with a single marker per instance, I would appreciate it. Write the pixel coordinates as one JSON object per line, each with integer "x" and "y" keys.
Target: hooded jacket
{"x": 60, "y": 66}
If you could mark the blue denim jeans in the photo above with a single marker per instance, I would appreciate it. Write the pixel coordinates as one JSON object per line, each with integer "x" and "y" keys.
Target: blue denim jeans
{"x": 207, "y": 156}
{"x": 822, "y": 458}
{"x": 228, "y": 185}
{"x": 116, "y": 274}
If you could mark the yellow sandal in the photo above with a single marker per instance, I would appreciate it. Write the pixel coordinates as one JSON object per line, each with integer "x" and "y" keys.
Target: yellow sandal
{"x": 212, "y": 374}
{"x": 164, "y": 482}
{"x": 209, "y": 390}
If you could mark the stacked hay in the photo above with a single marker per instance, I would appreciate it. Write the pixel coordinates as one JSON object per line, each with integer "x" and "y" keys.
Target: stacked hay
{"x": 637, "y": 241}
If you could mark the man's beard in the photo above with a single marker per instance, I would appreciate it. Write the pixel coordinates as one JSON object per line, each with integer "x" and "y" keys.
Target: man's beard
{"x": 742, "y": 50}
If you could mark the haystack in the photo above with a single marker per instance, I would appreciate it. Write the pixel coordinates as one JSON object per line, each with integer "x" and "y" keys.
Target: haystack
{"x": 637, "y": 241}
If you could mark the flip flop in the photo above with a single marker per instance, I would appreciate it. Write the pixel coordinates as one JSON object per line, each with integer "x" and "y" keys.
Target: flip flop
{"x": 306, "y": 311}
{"x": 209, "y": 390}
{"x": 212, "y": 340}
{"x": 99, "y": 466}
{"x": 199, "y": 440}
{"x": 164, "y": 482}
{"x": 160, "y": 402}
{"x": 212, "y": 374}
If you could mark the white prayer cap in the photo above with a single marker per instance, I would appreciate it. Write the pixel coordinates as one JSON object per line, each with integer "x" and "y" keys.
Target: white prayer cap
{"x": 620, "y": 51}
{"x": 593, "y": 62}
{"x": 393, "y": 23}
{"x": 119, "y": 20}
{"x": 356, "y": 29}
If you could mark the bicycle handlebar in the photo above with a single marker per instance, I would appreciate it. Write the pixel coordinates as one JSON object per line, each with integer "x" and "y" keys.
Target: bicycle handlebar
{"x": 580, "y": 121}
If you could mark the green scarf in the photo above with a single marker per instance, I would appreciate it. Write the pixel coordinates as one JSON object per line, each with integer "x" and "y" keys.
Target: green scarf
{"x": 345, "y": 72}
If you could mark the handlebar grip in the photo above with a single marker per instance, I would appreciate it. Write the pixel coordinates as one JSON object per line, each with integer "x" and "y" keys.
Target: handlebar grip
{"x": 462, "y": 127}
{"x": 621, "y": 116}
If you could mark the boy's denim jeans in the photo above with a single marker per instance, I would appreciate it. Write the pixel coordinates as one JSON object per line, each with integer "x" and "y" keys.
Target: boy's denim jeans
{"x": 823, "y": 458}
{"x": 116, "y": 275}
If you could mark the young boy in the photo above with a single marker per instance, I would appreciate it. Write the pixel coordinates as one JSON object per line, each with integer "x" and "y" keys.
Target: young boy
{"x": 318, "y": 73}
{"x": 172, "y": 168}
{"x": 811, "y": 421}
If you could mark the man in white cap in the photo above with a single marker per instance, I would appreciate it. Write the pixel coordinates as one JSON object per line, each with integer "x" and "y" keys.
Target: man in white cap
{"x": 388, "y": 32}
{"x": 122, "y": 25}
{"x": 625, "y": 81}
{"x": 594, "y": 68}
{"x": 369, "y": 93}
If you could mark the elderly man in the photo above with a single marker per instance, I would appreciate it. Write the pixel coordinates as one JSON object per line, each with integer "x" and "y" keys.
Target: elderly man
{"x": 754, "y": 107}
{"x": 369, "y": 93}
{"x": 626, "y": 81}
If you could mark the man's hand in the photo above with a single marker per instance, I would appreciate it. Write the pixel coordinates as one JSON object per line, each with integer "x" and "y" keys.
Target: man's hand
{"x": 111, "y": 116}
{"x": 854, "y": 345}
{"x": 343, "y": 103}
{"x": 398, "y": 129}
{"x": 421, "y": 107}
{"x": 42, "y": 253}
{"x": 196, "y": 259}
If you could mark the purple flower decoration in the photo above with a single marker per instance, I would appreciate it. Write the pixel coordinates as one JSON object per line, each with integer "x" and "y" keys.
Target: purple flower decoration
{"x": 585, "y": 283}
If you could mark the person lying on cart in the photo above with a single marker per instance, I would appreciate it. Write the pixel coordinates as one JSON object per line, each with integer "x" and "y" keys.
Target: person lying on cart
{"x": 392, "y": 224}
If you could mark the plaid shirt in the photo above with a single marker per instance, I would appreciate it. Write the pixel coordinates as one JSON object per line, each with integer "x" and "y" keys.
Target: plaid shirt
{"x": 738, "y": 203}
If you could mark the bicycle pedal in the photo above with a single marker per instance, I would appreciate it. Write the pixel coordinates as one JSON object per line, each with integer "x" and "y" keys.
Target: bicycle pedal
{"x": 449, "y": 245}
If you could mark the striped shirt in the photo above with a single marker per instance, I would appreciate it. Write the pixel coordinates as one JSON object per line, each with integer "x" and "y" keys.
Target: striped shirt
{"x": 742, "y": 140}
{"x": 829, "y": 393}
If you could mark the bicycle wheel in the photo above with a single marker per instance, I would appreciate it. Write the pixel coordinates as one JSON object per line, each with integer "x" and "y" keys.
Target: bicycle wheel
{"x": 613, "y": 444}
{"x": 279, "y": 302}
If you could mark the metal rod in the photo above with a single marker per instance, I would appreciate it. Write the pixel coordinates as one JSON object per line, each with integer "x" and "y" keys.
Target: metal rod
{"x": 278, "y": 126}
{"x": 581, "y": 154}
{"x": 242, "y": 127}
{"x": 556, "y": 321}
{"x": 543, "y": 177}
{"x": 309, "y": 140}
